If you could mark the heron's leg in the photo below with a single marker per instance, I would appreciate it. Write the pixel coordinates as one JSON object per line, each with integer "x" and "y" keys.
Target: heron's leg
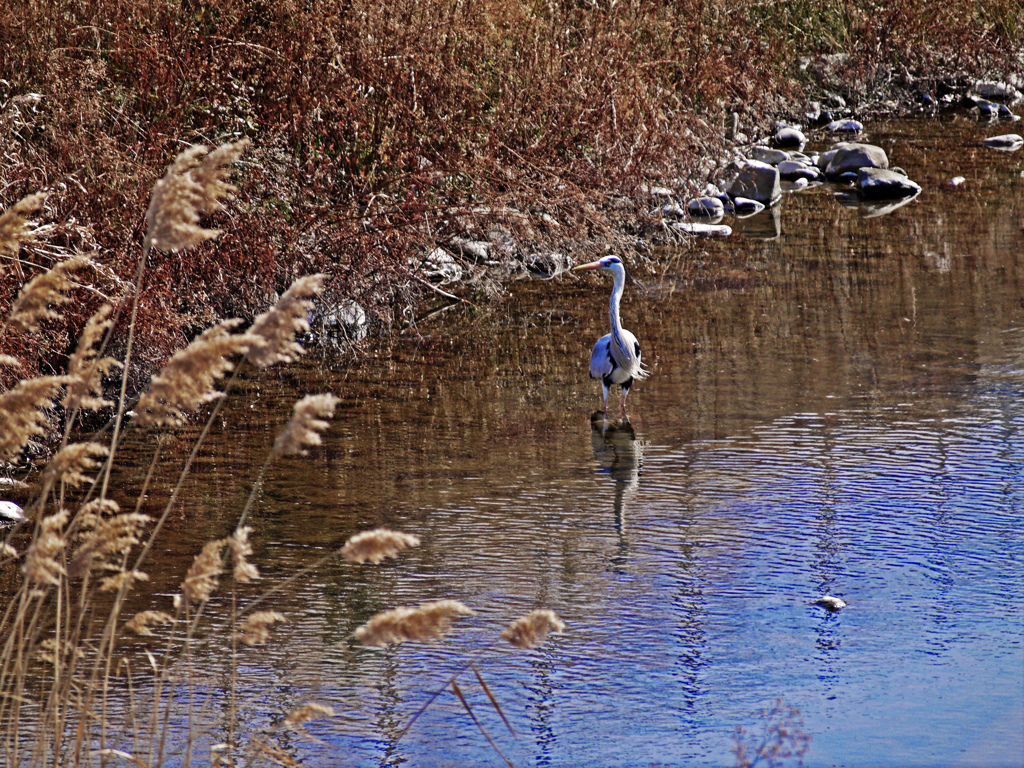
{"x": 625, "y": 391}
{"x": 604, "y": 393}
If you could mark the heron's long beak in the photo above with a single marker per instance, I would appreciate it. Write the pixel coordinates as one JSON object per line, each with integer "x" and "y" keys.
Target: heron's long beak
{"x": 585, "y": 267}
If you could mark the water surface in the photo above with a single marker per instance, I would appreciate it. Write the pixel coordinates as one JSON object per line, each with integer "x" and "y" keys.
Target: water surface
{"x": 836, "y": 409}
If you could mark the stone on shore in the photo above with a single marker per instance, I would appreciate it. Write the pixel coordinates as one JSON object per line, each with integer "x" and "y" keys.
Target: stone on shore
{"x": 768, "y": 155}
{"x": 789, "y": 137}
{"x": 705, "y": 207}
{"x": 845, "y": 126}
{"x": 700, "y": 228}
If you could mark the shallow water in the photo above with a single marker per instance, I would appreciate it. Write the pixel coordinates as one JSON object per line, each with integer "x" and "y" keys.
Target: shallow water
{"x": 833, "y": 410}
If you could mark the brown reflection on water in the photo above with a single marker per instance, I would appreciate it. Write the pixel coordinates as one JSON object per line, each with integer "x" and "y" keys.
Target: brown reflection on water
{"x": 473, "y": 430}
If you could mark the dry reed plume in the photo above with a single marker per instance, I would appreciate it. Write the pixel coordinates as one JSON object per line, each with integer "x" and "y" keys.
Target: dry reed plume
{"x": 255, "y": 629}
{"x": 376, "y": 545}
{"x": 85, "y": 371}
{"x": 187, "y": 381}
{"x": 141, "y": 622}
{"x": 238, "y": 543}
{"x": 43, "y": 291}
{"x": 104, "y": 542}
{"x": 42, "y": 566}
{"x": 306, "y": 713}
{"x": 307, "y": 422}
{"x": 193, "y": 185}
{"x": 532, "y": 629}
{"x": 274, "y": 331}
{"x": 427, "y": 622}
{"x": 14, "y": 225}
{"x": 23, "y": 411}
{"x": 203, "y": 575}
{"x": 71, "y": 461}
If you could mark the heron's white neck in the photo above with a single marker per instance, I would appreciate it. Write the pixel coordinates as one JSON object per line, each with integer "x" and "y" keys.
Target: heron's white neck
{"x": 619, "y": 275}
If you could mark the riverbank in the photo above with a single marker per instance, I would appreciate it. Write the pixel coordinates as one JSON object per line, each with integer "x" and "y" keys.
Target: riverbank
{"x": 421, "y": 152}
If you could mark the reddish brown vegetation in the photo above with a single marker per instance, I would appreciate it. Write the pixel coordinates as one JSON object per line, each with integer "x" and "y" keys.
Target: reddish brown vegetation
{"x": 380, "y": 130}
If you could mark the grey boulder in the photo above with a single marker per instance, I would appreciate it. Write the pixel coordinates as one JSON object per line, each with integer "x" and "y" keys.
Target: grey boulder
{"x": 768, "y": 155}
{"x": 757, "y": 181}
{"x": 850, "y": 157}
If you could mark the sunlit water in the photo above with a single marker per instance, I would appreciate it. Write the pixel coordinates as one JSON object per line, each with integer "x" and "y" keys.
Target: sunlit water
{"x": 837, "y": 410}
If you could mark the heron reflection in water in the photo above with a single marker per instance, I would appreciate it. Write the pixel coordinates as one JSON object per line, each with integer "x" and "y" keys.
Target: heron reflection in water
{"x": 619, "y": 455}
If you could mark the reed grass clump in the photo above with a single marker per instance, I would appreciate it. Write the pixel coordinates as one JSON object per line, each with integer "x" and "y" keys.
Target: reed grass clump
{"x": 86, "y": 552}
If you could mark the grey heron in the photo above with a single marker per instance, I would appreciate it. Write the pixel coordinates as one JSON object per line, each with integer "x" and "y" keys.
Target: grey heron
{"x": 616, "y": 356}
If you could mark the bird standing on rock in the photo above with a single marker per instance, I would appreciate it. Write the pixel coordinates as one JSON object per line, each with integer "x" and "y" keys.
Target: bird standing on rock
{"x": 616, "y": 356}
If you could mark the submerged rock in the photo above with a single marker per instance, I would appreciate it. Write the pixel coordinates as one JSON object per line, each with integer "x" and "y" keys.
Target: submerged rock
{"x": 852, "y": 156}
{"x": 882, "y": 184}
{"x": 744, "y": 206}
{"x": 1008, "y": 142}
{"x": 766, "y": 224}
{"x": 757, "y": 181}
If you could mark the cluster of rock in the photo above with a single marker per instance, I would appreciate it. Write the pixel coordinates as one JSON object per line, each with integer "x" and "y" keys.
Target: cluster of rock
{"x": 859, "y": 171}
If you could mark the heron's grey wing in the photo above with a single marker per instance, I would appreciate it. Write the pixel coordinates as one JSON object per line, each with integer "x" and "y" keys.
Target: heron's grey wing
{"x": 627, "y": 357}
{"x": 601, "y": 362}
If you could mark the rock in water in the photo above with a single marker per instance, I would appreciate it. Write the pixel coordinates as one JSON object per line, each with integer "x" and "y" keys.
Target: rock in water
{"x": 788, "y": 136}
{"x": 757, "y": 181}
{"x": 852, "y": 156}
{"x": 10, "y": 513}
{"x": 881, "y": 184}
{"x": 1008, "y": 142}
{"x": 831, "y": 603}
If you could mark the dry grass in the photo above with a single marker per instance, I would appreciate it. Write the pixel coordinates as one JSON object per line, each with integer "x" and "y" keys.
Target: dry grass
{"x": 380, "y": 133}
